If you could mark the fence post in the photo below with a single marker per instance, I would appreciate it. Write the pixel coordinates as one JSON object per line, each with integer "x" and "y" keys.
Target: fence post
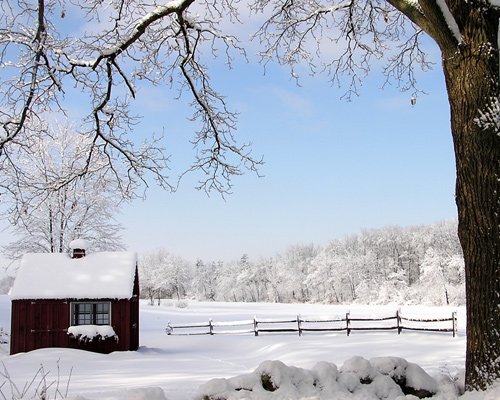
{"x": 347, "y": 323}
{"x": 298, "y": 325}
{"x": 398, "y": 319}
{"x": 210, "y": 327}
{"x": 255, "y": 328}
{"x": 454, "y": 322}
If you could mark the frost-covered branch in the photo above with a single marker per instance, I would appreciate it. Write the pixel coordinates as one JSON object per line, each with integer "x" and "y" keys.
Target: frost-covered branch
{"x": 215, "y": 140}
{"x": 125, "y": 42}
{"x": 402, "y": 66}
{"x": 345, "y": 39}
{"x": 36, "y": 79}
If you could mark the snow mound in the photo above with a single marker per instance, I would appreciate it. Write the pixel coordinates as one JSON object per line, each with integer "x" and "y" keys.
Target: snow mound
{"x": 383, "y": 378}
{"x": 406, "y": 374}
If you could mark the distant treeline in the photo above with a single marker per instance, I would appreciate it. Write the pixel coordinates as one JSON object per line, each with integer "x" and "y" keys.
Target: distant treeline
{"x": 419, "y": 264}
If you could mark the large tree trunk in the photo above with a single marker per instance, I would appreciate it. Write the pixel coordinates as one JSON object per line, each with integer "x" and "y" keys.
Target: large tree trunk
{"x": 472, "y": 79}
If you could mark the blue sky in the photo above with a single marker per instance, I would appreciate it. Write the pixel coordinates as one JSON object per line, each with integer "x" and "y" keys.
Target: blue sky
{"x": 332, "y": 167}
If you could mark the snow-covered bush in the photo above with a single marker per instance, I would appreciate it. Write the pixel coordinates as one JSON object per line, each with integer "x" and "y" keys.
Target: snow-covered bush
{"x": 382, "y": 378}
{"x": 88, "y": 333}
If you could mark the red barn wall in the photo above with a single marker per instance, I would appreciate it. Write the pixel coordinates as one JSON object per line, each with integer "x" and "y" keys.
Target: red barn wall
{"x": 38, "y": 324}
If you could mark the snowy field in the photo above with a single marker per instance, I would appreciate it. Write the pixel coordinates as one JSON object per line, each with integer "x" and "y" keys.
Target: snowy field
{"x": 180, "y": 364}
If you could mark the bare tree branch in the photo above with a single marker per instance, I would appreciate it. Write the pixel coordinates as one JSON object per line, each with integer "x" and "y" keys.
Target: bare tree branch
{"x": 132, "y": 41}
{"x": 355, "y": 35}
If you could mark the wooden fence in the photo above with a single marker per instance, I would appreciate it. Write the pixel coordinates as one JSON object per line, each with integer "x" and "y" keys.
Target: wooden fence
{"x": 301, "y": 325}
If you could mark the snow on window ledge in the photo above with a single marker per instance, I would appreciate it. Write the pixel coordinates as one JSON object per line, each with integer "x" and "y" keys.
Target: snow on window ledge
{"x": 88, "y": 333}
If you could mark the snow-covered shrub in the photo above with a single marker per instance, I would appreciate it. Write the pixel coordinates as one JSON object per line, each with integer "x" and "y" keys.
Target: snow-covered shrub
{"x": 411, "y": 378}
{"x": 361, "y": 367}
{"x": 383, "y": 378}
{"x": 88, "y": 333}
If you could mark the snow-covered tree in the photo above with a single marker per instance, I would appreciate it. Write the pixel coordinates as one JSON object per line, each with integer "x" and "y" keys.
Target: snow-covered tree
{"x": 375, "y": 265}
{"x": 370, "y": 267}
{"x": 441, "y": 270}
{"x": 278, "y": 281}
{"x": 178, "y": 275}
{"x": 206, "y": 279}
{"x": 164, "y": 274}
{"x": 227, "y": 283}
{"x": 297, "y": 260}
{"x": 253, "y": 278}
{"x": 46, "y": 215}
{"x": 324, "y": 278}
{"x": 151, "y": 276}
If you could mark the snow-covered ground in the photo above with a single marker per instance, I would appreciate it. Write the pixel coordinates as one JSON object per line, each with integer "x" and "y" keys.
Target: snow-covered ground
{"x": 179, "y": 365}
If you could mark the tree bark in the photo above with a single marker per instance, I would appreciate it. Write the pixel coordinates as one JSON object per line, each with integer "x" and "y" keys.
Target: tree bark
{"x": 472, "y": 79}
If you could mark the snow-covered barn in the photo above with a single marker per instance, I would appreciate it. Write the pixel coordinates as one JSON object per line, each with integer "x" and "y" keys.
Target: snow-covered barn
{"x": 77, "y": 300}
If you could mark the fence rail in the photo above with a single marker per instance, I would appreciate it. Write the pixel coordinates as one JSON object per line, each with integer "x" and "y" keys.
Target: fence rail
{"x": 317, "y": 324}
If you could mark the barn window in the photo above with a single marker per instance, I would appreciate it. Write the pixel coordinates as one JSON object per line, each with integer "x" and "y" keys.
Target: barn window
{"x": 90, "y": 313}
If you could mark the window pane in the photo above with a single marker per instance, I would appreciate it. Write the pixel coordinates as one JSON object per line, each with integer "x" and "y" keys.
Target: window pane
{"x": 84, "y": 319}
{"x": 85, "y": 308}
{"x": 90, "y": 313}
{"x": 102, "y": 314}
{"x": 102, "y": 307}
{"x": 102, "y": 319}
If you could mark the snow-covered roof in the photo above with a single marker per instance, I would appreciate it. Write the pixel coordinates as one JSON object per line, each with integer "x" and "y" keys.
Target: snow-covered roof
{"x": 57, "y": 276}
